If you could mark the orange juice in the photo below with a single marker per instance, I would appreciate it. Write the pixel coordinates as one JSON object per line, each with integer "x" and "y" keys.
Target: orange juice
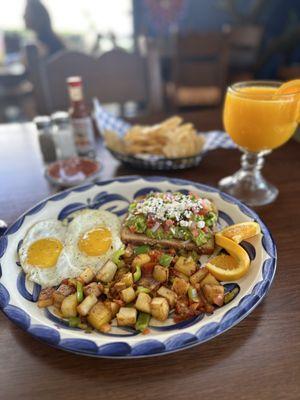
{"x": 257, "y": 119}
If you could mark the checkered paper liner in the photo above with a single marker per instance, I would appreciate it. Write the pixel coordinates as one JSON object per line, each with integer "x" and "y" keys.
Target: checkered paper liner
{"x": 106, "y": 121}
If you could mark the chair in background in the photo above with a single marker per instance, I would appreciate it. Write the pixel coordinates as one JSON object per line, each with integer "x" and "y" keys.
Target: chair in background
{"x": 244, "y": 43}
{"x": 198, "y": 70}
{"x": 115, "y": 77}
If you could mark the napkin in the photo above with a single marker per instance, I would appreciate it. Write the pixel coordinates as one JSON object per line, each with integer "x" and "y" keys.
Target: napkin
{"x": 107, "y": 121}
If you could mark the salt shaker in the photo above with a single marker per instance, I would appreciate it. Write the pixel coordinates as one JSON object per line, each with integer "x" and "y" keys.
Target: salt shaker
{"x": 63, "y": 135}
{"x": 45, "y": 137}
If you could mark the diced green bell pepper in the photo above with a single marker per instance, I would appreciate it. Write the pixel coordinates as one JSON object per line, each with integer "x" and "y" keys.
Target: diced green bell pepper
{"x": 74, "y": 322}
{"x": 141, "y": 249}
{"x": 142, "y": 289}
{"x": 165, "y": 260}
{"x": 137, "y": 274}
{"x": 210, "y": 218}
{"x": 79, "y": 292}
{"x": 117, "y": 255}
{"x": 142, "y": 321}
{"x": 201, "y": 238}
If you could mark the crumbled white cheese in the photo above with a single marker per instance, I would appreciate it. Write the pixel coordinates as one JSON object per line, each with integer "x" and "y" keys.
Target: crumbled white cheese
{"x": 184, "y": 223}
{"x": 188, "y": 214}
{"x": 178, "y": 207}
{"x": 201, "y": 224}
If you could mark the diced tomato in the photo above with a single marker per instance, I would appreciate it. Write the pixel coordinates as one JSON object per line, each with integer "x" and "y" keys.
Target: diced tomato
{"x": 203, "y": 211}
{"x": 172, "y": 252}
{"x": 150, "y": 222}
{"x": 195, "y": 232}
{"x": 194, "y": 194}
{"x": 167, "y": 224}
{"x": 132, "y": 228}
{"x": 64, "y": 282}
{"x": 193, "y": 225}
{"x": 147, "y": 268}
{"x": 155, "y": 255}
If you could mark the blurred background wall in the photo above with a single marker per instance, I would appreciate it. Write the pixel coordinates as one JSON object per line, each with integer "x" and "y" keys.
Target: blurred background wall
{"x": 263, "y": 42}
{"x": 279, "y": 20}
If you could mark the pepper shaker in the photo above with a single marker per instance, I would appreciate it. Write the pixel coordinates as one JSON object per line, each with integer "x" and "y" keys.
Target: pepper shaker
{"x": 45, "y": 137}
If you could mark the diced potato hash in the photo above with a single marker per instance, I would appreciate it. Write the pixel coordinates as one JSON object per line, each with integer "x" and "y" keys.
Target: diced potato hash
{"x": 99, "y": 315}
{"x": 85, "y": 306}
{"x": 180, "y": 286}
{"x": 107, "y": 272}
{"x": 87, "y": 275}
{"x": 128, "y": 294}
{"x": 159, "y": 308}
{"x": 126, "y": 316}
{"x": 187, "y": 266}
{"x": 146, "y": 283}
{"x": 160, "y": 274}
{"x": 69, "y": 306}
{"x": 143, "y": 303}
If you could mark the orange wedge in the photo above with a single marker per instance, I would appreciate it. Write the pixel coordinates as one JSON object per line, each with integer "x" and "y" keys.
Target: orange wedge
{"x": 224, "y": 261}
{"x": 240, "y": 232}
{"x": 289, "y": 87}
{"x": 229, "y": 267}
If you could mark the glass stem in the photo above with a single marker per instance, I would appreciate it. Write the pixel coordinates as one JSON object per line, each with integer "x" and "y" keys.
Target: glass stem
{"x": 248, "y": 184}
{"x": 252, "y": 163}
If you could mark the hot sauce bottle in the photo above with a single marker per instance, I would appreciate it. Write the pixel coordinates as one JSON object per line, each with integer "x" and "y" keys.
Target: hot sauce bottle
{"x": 81, "y": 119}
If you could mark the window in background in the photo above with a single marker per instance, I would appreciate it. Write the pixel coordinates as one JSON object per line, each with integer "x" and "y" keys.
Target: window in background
{"x": 93, "y": 24}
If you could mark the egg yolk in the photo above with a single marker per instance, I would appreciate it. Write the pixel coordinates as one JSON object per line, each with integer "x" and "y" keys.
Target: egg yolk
{"x": 44, "y": 253}
{"x": 95, "y": 242}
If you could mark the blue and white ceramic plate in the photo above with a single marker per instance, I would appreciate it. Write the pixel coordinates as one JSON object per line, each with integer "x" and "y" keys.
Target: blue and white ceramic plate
{"x": 18, "y": 296}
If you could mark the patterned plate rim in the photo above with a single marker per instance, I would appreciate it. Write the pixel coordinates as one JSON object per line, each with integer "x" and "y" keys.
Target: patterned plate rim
{"x": 148, "y": 347}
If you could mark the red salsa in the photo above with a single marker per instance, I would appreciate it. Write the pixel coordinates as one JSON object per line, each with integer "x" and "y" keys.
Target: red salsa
{"x": 73, "y": 169}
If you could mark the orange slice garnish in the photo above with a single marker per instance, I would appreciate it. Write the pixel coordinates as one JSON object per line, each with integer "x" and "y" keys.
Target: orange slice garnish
{"x": 229, "y": 267}
{"x": 241, "y": 231}
{"x": 290, "y": 87}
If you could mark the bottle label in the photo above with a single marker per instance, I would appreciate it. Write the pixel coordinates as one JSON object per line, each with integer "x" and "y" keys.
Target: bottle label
{"x": 83, "y": 135}
{"x": 75, "y": 93}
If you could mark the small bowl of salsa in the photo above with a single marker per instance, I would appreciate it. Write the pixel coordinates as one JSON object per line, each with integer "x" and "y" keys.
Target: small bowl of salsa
{"x": 72, "y": 171}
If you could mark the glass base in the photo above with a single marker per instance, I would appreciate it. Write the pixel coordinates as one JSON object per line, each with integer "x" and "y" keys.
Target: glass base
{"x": 251, "y": 188}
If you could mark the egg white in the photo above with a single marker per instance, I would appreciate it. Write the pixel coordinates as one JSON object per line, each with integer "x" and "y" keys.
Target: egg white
{"x": 63, "y": 269}
{"x": 85, "y": 221}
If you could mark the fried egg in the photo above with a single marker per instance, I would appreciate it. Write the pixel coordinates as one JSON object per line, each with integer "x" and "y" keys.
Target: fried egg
{"x": 92, "y": 237}
{"x": 42, "y": 254}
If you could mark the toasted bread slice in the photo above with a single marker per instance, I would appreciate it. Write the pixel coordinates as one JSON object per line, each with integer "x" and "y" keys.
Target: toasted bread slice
{"x": 137, "y": 238}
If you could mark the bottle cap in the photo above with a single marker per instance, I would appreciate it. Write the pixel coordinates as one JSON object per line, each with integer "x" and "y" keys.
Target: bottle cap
{"x": 42, "y": 121}
{"x": 60, "y": 117}
{"x": 74, "y": 81}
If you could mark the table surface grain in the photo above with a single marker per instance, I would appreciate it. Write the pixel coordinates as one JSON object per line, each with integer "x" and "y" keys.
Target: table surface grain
{"x": 257, "y": 359}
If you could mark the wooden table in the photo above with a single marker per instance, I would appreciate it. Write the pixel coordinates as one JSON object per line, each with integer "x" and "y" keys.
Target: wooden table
{"x": 258, "y": 359}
